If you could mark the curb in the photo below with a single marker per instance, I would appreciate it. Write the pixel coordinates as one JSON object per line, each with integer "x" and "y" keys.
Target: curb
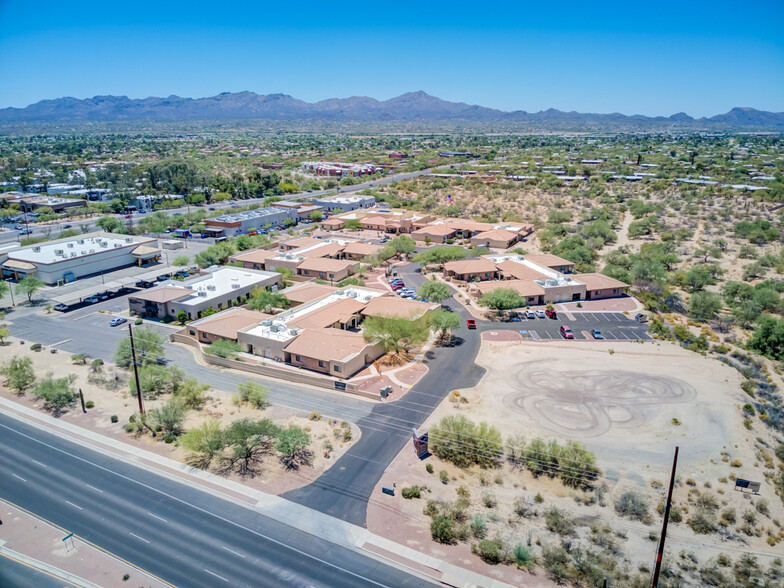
{"x": 47, "y": 568}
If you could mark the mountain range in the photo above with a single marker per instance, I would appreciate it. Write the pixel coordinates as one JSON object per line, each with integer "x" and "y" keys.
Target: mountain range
{"x": 417, "y": 107}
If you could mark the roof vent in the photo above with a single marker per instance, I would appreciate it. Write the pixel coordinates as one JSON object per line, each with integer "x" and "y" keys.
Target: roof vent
{"x": 339, "y": 292}
{"x": 92, "y": 250}
{"x": 105, "y": 244}
{"x": 70, "y": 245}
{"x": 235, "y": 286}
{"x": 211, "y": 287}
{"x": 81, "y": 241}
{"x": 352, "y": 294}
{"x": 128, "y": 239}
{"x": 366, "y": 298}
{"x": 293, "y": 332}
{"x": 56, "y": 251}
{"x": 37, "y": 249}
{"x": 73, "y": 253}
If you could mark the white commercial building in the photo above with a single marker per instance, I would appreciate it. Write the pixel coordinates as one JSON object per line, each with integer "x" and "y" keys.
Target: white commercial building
{"x": 345, "y": 203}
{"x": 66, "y": 260}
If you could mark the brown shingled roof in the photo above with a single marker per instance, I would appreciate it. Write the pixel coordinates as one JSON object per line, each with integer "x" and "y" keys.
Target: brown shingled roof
{"x": 327, "y": 344}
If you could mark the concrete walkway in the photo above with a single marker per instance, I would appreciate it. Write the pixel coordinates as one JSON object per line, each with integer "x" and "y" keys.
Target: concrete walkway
{"x": 275, "y": 507}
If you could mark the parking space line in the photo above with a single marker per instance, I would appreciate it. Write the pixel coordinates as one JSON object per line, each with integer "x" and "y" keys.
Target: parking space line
{"x": 534, "y": 335}
{"x": 78, "y": 318}
{"x": 61, "y": 342}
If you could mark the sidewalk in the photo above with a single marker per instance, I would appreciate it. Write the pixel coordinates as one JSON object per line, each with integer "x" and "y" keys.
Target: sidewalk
{"x": 39, "y": 544}
{"x": 284, "y": 511}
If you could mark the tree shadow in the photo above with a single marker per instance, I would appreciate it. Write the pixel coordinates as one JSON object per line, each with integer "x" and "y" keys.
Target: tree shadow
{"x": 454, "y": 341}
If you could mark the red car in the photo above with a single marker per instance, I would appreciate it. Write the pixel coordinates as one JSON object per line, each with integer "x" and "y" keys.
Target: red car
{"x": 551, "y": 313}
{"x": 566, "y": 332}
{"x": 471, "y": 323}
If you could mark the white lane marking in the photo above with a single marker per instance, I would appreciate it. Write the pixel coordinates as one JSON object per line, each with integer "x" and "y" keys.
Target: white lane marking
{"x": 78, "y": 318}
{"x": 61, "y": 342}
{"x": 19, "y": 477}
{"x": 141, "y": 538}
{"x": 94, "y": 488}
{"x": 39, "y": 463}
{"x": 216, "y": 575}
{"x": 74, "y": 505}
{"x": 610, "y": 333}
{"x": 205, "y": 511}
{"x": 157, "y": 517}
{"x": 232, "y": 551}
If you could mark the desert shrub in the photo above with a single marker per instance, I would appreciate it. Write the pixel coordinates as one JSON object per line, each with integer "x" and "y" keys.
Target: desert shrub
{"x": 557, "y": 563}
{"x": 702, "y": 522}
{"x": 707, "y": 502}
{"x": 253, "y": 394}
{"x": 762, "y": 507}
{"x": 411, "y": 492}
{"x": 711, "y": 575}
{"x": 559, "y": 522}
{"x": 464, "y": 443}
{"x": 524, "y": 556}
{"x": 478, "y": 527}
{"x": 442, "y": 529}
{"x": 572, "y": 463}
{"x": 314, "y": 416}
{"x": 429, "y": 468}
{"x": 490, "y": 550}
{"x": 728, "y": 515}
{"x": 632, "y": 505}
{"x": 89, "y": 404}
{"x": 489, "y": 501}
{"x": 431, "y": 508}
{"x": 443, "y": 475}
{"x": 524, "y": 508}
{"x": 114, "y": 418}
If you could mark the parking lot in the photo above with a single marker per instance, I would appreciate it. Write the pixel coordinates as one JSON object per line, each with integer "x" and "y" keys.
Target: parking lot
{"x": 613, "y": 326}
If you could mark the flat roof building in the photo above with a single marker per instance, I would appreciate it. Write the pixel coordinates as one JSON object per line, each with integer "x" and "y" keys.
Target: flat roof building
{"x": 242, "y": 223}
{"x": 72, "y": 258}
{"x": 345, "y": 203}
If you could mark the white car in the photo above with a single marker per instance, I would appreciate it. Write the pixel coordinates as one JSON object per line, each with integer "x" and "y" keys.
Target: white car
{"x": 529, "y": 314}
{"x": 540, "y": 313}
{"x": 61, "y": 307}
{"x": 92, "y": 300}
{"x": 115, "y": 322}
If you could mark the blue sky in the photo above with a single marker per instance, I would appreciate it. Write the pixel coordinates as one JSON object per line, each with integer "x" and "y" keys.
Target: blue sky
{"x": 636, "y": 58}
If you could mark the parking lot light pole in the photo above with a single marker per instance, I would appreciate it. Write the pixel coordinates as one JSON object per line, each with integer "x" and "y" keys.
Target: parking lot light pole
{"x": 136, "y": 371}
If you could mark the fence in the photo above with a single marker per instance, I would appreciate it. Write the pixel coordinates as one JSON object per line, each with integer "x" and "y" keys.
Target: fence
{"x": 296, "y": 376}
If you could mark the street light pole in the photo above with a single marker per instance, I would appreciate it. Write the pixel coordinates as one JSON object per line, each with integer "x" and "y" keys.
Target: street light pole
{"x": 136, "y": 371}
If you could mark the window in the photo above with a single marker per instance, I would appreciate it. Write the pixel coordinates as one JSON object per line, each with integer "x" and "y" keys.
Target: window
{"x": 192, "y": 332}
{"x": 321, "y": 274}
{"x": 338, "y": 369}
{"x": 204, "y": 335}
{"x": 615, "y": 290}
{"x": 331, "y": 276}
{"x": 297, "y": 358}
{"x": 322, "y": 364}
{"x": 597, "y": 292}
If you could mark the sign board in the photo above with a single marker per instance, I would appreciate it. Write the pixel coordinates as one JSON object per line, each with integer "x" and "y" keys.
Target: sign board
{"x": 340, "y": 385}
{"x": 753, "y": 486}
{"x": 388, "y": 490}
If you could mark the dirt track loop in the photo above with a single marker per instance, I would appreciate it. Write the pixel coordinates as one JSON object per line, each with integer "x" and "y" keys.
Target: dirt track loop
{"x": 589, "y": 403}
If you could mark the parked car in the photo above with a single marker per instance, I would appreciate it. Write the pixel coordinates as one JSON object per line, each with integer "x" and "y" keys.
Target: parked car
{"x": 61, "y": 307}
{"x": 67, "y": 226}
{"x": 143, "y": 284}
{"x": 124, "y": 290}
{"x": 540, "y": 313}
{"x": 25, "y": 232}
{"x": 163, "y": 277}
{"x": 182, "y": 274}
{"x": 117, "y": 322}
{"x": 92, "y": 300}
{"x": 551, "y": 313}
{"x": 382, "y": 240}
{"x": 597, "y": 334}
{"x": 640, "y": 317}
{"x": 471, "y": 323}
{"x": 107, "y": 294}
{"x": 566, "y": 332}
{"x": 529, "y": 314}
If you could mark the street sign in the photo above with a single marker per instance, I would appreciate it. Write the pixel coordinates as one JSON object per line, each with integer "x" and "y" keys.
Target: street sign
{"x": 67, "y": 537}
{"x": 340, "y": 385}
{"x": 388, "y": 490}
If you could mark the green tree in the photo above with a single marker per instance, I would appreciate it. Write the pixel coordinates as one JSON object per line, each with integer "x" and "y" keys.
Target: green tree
{"x": 444, "y": 321}
{"x": 435, "y": 291}
{"x": 704, "y": 306}
{"x": 80, "y": 358}
{"x": 293, "y": 443}
{"x": 439, "y": 255}
{"x": 223, "y": 348}
{"x": 181, "y": 260}
{"x": 57, "y": 393}
{"x": 353, "y": 224}
{"x": 502, "y": 299}
{"x": 768, "y": 338}
{"x": 265, "y": 301}
{"x": 403, "y": 244}
{"x": 316, "y": 216}
{"x": 251, "y": 393}
{"x": 4, "y": 332}
{"x": 397, "y": 334}
{"x": 19, "y": 373}
{"x": 109, "y": 224}
{"x": 4, "y": 287}
{"x": 149, "y": 348}
{"x": 249, "y": 441}
{"x": 182, "y": 316}
{"x": 206, "y": 442}
{"x": 168, "y": 418}
{"x": 29, "y": 286}
{"x": 464, "y": 443}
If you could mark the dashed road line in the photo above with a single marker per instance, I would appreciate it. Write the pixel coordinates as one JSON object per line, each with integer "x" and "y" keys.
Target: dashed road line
{"x": 157, "y": 517}
{"x": 216, "y": 575}
{"x": 234, "y": 552}
{"x": 140, "y": 538}
{"x": 43, "y": 465}
{"x": 61, "y": 342}
{"x": 19, "y": 477}
{"x": 74, "y": 505}
{"x": 94, "y": 488}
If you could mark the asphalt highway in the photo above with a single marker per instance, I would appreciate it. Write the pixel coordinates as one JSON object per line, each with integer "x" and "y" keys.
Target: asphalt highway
{"x": 174, "y": 531}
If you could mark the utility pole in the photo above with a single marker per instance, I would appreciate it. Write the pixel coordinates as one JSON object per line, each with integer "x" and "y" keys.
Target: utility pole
{"x": 667, "y": 505}
{"x": 136, "y": 371}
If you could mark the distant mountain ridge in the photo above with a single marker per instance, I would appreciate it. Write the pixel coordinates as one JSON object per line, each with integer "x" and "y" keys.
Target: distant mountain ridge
{"x": 410, "y": 107}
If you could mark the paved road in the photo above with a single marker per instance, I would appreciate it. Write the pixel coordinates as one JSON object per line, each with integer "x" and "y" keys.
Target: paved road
{"x": 344, "y": 492}
{"x": 181, "y": 534}
{"x": 14, "y": 574}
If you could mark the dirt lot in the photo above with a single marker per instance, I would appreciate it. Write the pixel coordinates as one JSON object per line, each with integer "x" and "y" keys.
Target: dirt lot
{"x": 621, "y": 406}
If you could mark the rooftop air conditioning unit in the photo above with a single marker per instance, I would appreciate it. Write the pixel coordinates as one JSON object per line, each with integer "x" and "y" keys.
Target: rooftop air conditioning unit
{"x": 202, "y": 293}
{"x": 266, "y": 323}
{"x": 105, "y": 244}
{"x": 37, "y": 249}
{"x": 56, "y": 251}
{"x": 128, "y": 239}
{"x": 366, "y": 298}
{"x": 70, "y": 245}
{"x": 116, "y": 245}
{"x": 73, "y": 253}
{"x": 293, "y": 332}
{"x": 211, "y": 287}
{"x": 235, "y": 286}
{"x": 339, "y": 292}
{"x": 352, "y": 294}
{"x": 92, "y": 250}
